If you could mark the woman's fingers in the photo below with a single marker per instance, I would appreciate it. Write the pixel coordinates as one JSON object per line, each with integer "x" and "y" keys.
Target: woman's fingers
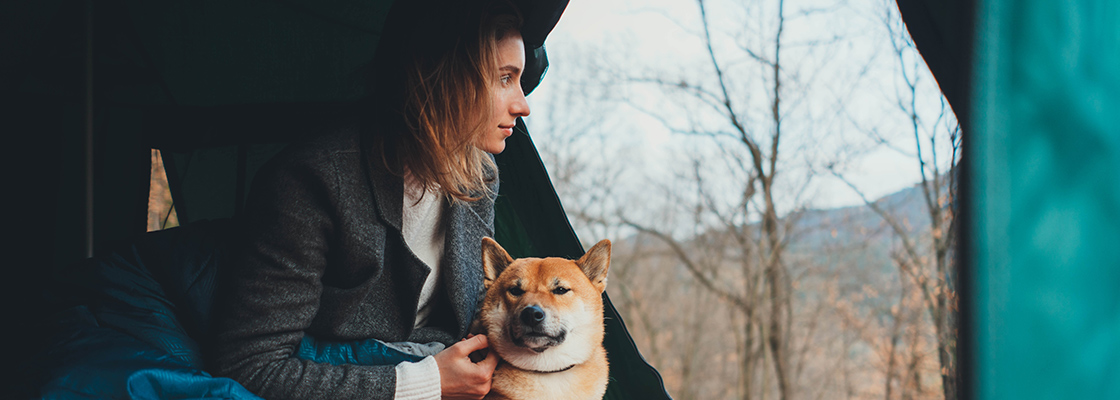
{"x": 470, "y": 345}
{"x": 459, "y": 377}
{"x": 490, "y": 362}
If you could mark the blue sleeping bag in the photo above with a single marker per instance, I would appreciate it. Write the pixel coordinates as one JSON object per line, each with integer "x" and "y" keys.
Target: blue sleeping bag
{"x": 133, "y": 319}
{"x": 133, "y": 322}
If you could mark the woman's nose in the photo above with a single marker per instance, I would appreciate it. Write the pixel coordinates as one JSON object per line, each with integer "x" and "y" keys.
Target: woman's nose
{"x": 520, "y": 106}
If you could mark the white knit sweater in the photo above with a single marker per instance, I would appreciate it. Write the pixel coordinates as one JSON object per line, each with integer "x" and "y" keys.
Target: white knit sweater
{"x": 423, "y": 228}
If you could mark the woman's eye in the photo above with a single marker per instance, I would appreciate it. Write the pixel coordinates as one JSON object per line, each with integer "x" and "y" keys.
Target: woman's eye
{"x": 516, "y": 291}
{"x": 561, "y": 290}
{"x": 506, "y": 79}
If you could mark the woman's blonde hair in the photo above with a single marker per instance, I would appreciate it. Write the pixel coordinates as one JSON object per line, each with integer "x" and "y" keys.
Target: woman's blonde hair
{"x": 445, "y": 103}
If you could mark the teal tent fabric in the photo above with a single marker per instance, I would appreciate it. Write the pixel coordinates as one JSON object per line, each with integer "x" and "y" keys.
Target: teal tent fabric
{"x": 1045, "y": 204}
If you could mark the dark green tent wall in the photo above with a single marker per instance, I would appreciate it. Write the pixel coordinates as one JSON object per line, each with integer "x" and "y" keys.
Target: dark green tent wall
{"x": 219, "y": 86}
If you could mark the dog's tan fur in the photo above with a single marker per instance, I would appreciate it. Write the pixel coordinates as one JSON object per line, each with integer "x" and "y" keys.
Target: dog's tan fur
{"x": 535, "y": 363}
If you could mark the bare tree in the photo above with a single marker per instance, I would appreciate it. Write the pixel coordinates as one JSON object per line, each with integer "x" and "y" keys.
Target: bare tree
{"x": 581, "y": 145}
{"x": 711, "y": 272}
{"x": 746, "y": 229}
{"x": 924, "y": 256}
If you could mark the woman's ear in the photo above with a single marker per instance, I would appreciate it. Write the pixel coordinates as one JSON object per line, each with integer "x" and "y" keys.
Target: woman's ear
{"x": 495, "y": 259}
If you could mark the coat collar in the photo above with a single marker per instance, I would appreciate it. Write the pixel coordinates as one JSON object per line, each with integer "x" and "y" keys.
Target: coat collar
{"x": 462, "y": 259}
{"x": 467, "y": 223}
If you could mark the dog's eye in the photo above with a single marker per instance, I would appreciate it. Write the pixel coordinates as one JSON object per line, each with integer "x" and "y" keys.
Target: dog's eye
{"x": 561, "y": 290}
{"x": 516, "y": 291}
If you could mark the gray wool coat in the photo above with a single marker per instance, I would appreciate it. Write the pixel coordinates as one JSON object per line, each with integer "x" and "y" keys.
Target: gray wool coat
{"x": 324, "y": 255}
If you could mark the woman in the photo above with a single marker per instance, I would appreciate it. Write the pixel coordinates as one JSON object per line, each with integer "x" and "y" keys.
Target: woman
{"x": 373, "y": 229}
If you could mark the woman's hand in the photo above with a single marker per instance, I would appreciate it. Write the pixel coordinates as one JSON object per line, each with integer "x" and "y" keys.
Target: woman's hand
{"x": 459, "y": 378}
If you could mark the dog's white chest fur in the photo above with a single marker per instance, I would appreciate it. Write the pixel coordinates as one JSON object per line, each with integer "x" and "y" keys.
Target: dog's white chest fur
{"x": 586, "y": 381}
{"x": 563, "y": 385}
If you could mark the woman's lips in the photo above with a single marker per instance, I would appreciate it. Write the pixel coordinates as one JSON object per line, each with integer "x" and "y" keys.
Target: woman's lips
{"x": 507, "y": 129}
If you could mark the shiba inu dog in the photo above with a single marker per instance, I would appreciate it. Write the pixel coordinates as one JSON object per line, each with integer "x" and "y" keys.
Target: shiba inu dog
{"x": 544, "y": 318}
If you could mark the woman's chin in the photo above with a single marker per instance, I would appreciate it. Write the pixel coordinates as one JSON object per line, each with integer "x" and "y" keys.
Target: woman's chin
{"x": 495, "y": 147}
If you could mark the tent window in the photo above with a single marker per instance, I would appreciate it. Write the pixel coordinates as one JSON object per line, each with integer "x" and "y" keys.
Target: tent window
{"x": 161, "y": 207}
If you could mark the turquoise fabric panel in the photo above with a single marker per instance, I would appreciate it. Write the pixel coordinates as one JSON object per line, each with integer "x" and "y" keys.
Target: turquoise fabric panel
{"x": 358, "y": 352}
{"x": 1045, "y": 215}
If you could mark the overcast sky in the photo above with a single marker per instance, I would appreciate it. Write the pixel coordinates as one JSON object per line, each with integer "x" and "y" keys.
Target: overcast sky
{"x": 844, "y": 74}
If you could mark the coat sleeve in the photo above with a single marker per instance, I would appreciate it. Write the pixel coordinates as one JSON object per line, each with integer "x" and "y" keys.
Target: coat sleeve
{"x": 274, "y": 288}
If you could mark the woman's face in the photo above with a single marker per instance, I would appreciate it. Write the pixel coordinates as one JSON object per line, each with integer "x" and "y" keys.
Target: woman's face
{"x": 509, "y": 102}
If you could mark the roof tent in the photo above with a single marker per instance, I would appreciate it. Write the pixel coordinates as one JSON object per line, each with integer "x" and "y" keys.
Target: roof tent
{"x": 1033, "y": 82}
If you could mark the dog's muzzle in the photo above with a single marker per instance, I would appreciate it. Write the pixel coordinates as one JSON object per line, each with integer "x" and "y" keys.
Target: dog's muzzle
{"x": 535, "y": 331}
{"x": 532, "y": 316}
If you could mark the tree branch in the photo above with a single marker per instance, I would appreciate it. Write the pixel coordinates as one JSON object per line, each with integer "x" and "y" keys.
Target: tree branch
{"x": 690, "y": 265}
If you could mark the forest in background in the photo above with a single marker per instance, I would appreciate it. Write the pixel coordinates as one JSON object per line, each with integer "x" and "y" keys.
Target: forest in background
{"x": 711, "y": 158}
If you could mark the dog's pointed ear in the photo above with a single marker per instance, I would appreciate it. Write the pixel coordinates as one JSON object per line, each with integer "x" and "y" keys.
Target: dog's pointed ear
{"x": 495, "y": 259}
{"x": 596, "y": 262}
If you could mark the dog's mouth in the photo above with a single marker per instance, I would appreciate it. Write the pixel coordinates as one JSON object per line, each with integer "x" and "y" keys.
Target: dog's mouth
{"x": 536, "y": 340}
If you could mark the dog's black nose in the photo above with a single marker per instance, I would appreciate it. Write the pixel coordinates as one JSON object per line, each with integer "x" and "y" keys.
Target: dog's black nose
{"x": 532, "y": 315}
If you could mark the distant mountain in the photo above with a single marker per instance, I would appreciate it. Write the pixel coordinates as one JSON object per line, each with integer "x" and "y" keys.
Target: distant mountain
{"x": 856, "y": 240}
{"x": 819, "y": 228}
{"x": 852, "y": 241}
{"x": 816, "y": 228}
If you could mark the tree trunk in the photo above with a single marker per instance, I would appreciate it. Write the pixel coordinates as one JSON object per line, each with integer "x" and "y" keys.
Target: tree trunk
{"x": 747, "y": 360}
{"x": 778, "y": 337}
{"x": 947, "y": 350}
{"x": 890, "y": 355}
